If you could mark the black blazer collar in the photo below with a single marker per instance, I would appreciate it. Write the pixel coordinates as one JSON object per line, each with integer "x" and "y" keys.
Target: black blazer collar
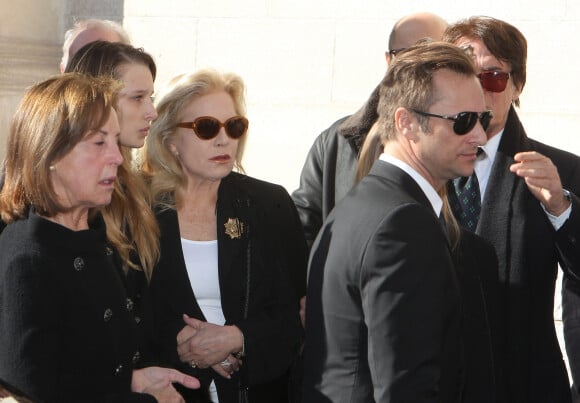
{"x": 234, "y": 222}
{"x": 502, "y": 184}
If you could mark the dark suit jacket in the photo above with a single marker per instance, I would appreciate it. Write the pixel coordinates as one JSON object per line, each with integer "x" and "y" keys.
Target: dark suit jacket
{"x": 383, "y": 311}
{"x": 269, "y": 257}
{"x": 66, "y": 330}
{"x": 528, "y": 250}
{"x": 476, "y": 266}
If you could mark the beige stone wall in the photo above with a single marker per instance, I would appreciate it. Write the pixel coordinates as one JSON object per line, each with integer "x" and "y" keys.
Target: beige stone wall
{"x": 31, "y": 34}
{"x": 307, "y": 63}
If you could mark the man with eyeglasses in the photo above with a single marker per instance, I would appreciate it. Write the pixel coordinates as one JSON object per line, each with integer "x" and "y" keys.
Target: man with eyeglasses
{"x": 529, "y": 211}
{"x": 383, "y": 319}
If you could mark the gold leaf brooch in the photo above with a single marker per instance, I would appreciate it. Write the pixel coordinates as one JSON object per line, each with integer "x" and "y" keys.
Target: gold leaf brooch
{"x": 234, "y": 228}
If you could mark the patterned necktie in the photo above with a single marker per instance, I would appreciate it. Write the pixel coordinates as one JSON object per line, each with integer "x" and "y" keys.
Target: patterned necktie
{"x": 467, "y": 206}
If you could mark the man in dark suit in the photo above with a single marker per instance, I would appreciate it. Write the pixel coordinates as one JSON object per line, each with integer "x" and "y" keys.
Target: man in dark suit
{"x": 529, "y": 212}
{"x": 383, "y": 312}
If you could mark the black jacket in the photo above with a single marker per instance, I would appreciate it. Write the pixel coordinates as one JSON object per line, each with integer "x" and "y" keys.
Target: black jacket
{"x": 529, "y": 250}
{"x": 329, "y": 171}
{"x": 67, "y": 333}
{"x": 328, "y": 175}
{"x": 270, "y": 256}
{"x": 384, "y": 306}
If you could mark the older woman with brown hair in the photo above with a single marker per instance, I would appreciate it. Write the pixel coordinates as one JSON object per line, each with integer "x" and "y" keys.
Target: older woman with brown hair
{"x": 233, "y": 256}
{"x": 67, "y": 332}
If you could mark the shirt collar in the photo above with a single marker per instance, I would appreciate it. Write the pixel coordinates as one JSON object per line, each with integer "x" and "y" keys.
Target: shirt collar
{"x": 425, "y": 186}
{"x": 492, "y": 145}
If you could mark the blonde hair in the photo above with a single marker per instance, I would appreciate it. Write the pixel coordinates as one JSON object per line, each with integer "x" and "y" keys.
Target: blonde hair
{"x": 160, "y": 166}
{"x": 131, "y": 224}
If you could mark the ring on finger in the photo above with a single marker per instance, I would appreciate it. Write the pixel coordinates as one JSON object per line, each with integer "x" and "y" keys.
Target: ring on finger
{"x": 226, "y": 363}
{"x": 193, "y": 364}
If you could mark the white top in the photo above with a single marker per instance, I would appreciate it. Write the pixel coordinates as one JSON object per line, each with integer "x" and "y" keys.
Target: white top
{"x": 201, "y": 261}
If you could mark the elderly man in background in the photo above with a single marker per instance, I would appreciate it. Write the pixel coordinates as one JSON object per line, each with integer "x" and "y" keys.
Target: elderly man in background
{"x": 87, "y": 31}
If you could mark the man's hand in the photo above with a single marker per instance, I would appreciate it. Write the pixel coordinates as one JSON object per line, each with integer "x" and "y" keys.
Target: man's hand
{"x": 543, "y": 181}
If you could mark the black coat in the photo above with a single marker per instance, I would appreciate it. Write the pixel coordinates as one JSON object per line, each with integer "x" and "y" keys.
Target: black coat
{"x": 330, "y": 167}
{"x": 273, "y": 244}
{"x": 66, "y": 330}
{"x": 328, "y": 175}
{"x": 383, "y": 304}
{"x": 529, "y": 250}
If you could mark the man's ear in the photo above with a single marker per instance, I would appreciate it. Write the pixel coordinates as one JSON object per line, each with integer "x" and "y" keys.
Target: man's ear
{"x": 516, "y": 92}
{"x": 407, "y": 124}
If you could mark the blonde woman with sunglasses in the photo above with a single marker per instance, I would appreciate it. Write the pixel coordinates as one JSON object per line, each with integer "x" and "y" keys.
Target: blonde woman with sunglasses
{"x": 233, "y": 257}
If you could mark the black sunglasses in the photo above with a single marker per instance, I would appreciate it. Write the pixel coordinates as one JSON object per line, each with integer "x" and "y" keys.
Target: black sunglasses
{"x": 208, "y": 127}
{"x": 464, "y": 121}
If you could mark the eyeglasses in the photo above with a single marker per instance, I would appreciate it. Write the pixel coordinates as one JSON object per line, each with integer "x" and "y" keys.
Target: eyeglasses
{"x": 494, "y": 81}
{"x": 208, "y": 127}
{"x": 395, "y": 52}
{"x": 464, "y": 121}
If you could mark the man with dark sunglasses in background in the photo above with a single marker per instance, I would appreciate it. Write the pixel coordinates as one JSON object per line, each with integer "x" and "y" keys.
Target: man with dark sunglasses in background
{"x": 529, "y": 211}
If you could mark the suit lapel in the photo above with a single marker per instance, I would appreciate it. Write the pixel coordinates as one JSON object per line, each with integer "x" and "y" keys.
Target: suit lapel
{"x": 232, "y": 226}
{"x": 503, "y": 199}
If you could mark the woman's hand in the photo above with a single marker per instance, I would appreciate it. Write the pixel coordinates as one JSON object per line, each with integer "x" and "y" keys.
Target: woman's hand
{"x": 204, "y": 344}
{"x": 157, "y": 382}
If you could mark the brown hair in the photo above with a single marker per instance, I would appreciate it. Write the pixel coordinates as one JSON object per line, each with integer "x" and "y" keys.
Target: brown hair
{"x": 53, "y": 117}
{"x": 409, "y": 81}
{"x": 131, "y": 224}
{"x": 503, "y": 40}
{"x": 409, "y": 84}
{"x": 102, "y": 58}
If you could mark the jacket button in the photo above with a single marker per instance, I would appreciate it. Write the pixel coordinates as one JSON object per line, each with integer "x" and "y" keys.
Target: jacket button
{"x": 573, "y": 240}
{"x": 136, "y": 357}
{"x": 137, "y": 319}
{"x": 79, "y": 263}
{"x": 129, "y": 304}
{"x": 108, "y": 314}
{"x": 108, "y": 250}
{"x": 119, "y": 370}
